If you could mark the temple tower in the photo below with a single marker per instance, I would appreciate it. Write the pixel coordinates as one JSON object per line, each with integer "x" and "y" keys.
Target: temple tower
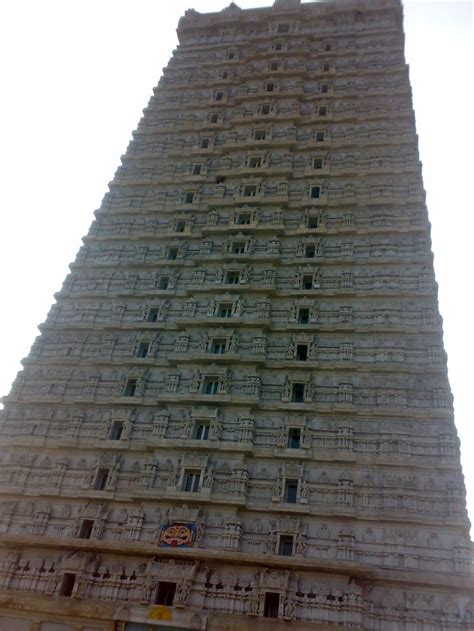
{"x": 237, "y": 414}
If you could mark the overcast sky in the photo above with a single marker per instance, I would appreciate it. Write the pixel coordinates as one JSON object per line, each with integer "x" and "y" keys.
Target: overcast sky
{"x": 77, "y": 73}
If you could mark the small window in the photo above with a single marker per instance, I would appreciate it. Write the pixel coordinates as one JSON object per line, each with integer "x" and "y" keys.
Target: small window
{"x": 220, "y": 179}
{"x": 302, "y": 352}
{"x": 211, "y": 385}
{"x": 85, "y": 531}
{"x": 294, "y": 438}
{"x": 204, "y": 143}
{"x": 218, "y": 346}
{"x": 238, "y": 247}
{"x": 255, "y": 162}
{"x": 297, "y": 393}
{"x": 116, "y": 430}
{"x": 142, "y": 349}
{"x": 283, "y": 28}
{"x": 260, "y": 134}
{"x": 307, "y": 281}
{"x": 324, "y": 88}
{"x": 278, "y": 47}
{"x": 317, "y": 163}
{"x": 274, "y": 65}
{"x": 270, "y": 87}
{"x": 218, "y": 96}
{"x": 130, "y": 388}
{"x": 224, "y": 310}
{"x": 265, "y": 109}
{"x": 313, "y": 222}
{"x": 231, "y": 54}
{"x": 191, "y": 481}
{"x": 172, "y": 254}
{"x": 188, "y": 197}
{"x": 224, "y": 74}
{"x": 303, "y": 315}
{"x": 243, "y": 219}
{"x": 180, "y": 225}
{"x": 163, "y": 282}
{"x": 101, "y": 478}
{"x": 165, "y": 593}
{"x": 197, "y": 168}
{"x": 201, "y": 430}
{"x": 213, "y": 118}
{"x": 291, "y": 491}
{"x": 285, "y": 546}
{"x": 326, "y": 67}
{"x": 250, "y": 190}
{"x": 232, "y": 278}
{"x": 323, "y": 111}
{"x": 67, "y": 584}
{"x": 152, "y": 314}
{"x": 315, "y": 192}
{"x": 327, "y": 47}
{"x": 310, "y": 251}
{"x": 271, "y": 605}
{"x": 320, "y": 135}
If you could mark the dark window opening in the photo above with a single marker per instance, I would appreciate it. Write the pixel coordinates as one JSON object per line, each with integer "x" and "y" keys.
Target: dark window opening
{"x": 271, "y": 605}
{"x": 197, "y": 169}
{"x": 220, "y": 179}
{"x": 188, "y": 198}
{"x": 255, "y": 162}
{"x": 238, "y": 247}
{"x": 313, "y": 222}
{"x": 301, "y": 352}
{"x": 307, "y": 281}
{"x": 278, "y": 47}
{"x": 211, "y": 386}
{"x": 294, "y": 438}
{"x": 297, "y": 392}
{"x": 230, "y": 55}
{"x": 213, "y": 118}
{"x": 285, "y": 547}
{"x": 270, "y": 87}
{"x": 291, "y": 491}
{"x": 303, "y": 316}
{"x": 152, "y": 314}
{"x": 180, "y": 226}
{"x": 323, "y": 111}
{"x": 326, "y": 68}
{"x": 165, "y": 593}
{"x": 219, "y": 346}
{"x": 116, "y": 429}
{"x": 130, "y": 388}
{"x": 315, "y": 192}
{"x": 260, "y": 134}
{"x": 224, "y": 310}
{"x": 232, "y": 278}
{"x": 310, "y": 251}
{"x": 85, "y": 531}
{"x": 67, "y": 584}
{"x": 191, "y": 481}
{"x": 101, "y": 478}
{"x": 319, "y": 136}
{"x": 172, "y": 254}
{"x": 142, "y": 349}
{"x": 274, "y": 65}
{"x": 324, "y": 88}
{"x": 225, "y": 74}
{"x": 201, "y": 430}
{"x": 243, "y": 219}
{"x": 250, "y": 190}
{"x": 265, "y": 109}
{"x": 163, "y": 282}
{"x": 327, "y": 47}
{"x": 219, "y": 96}
{"x": 283, "y": 28}
{"x": 204, "y": 143}
{"x": 317, "y": 163}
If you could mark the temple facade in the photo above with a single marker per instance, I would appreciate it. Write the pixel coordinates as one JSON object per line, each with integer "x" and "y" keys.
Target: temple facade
{"x": 237, "y": 414}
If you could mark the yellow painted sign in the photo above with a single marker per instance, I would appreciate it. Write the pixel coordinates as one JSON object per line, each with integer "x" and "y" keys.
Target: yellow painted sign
{"x": 160, "y": 612}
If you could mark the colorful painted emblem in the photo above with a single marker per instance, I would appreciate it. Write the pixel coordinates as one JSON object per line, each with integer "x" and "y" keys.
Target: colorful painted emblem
{"x": 176, "y": 535}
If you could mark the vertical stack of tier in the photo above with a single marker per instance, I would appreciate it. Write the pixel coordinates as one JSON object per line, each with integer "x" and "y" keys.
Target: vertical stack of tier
{"x": 239, "y": 403}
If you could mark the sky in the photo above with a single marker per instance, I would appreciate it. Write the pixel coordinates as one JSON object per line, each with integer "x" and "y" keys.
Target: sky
{"x": 75, "y": 76}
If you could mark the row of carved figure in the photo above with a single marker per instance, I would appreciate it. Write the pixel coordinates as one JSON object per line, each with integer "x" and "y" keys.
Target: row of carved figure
{"x": 249, "y": 591}
{"x": 137, "y": 427}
